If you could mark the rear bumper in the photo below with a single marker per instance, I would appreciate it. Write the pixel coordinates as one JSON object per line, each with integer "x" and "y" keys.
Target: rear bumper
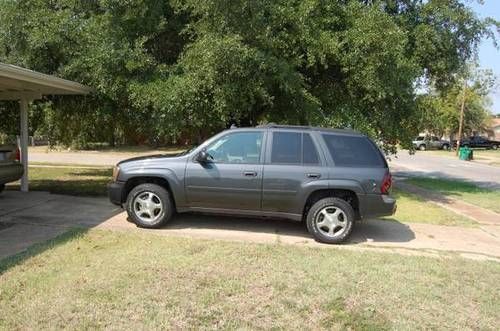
{"x": 377, "y": 205}
{"x": 116, "y": 192}
{"x": 10, "y": 172}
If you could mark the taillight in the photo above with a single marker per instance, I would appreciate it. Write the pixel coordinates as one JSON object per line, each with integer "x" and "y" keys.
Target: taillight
{"x": 18, "y": 154}
{"x": 386, "y": 183}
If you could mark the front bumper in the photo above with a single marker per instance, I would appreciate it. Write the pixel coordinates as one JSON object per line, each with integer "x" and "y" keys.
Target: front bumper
{"x": 116, "y": 192}
{"x": 377, "y": 205}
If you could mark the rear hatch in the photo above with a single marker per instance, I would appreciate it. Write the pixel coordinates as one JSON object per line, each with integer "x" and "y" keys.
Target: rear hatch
{"x": 8, "y": 154}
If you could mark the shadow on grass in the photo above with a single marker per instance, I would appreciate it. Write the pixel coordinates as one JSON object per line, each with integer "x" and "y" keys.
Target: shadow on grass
{"x": 448, "y": 186}
{"x": 17, "y": 259}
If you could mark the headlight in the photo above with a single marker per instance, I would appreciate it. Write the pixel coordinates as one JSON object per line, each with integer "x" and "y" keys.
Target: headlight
{"x": 116, "y": 171}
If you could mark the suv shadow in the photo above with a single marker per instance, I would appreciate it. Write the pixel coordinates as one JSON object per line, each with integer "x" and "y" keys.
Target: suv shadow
{"x": 365, "y": 231}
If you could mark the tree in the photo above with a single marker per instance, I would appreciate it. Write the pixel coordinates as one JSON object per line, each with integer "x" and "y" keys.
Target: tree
{"x": 184, "y": 69}
{"x": 440, "y": 110}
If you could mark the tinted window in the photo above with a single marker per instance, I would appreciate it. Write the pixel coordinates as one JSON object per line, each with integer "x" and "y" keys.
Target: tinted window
{"x": 419, "y": 138}
{"x": 287, "y": 148}
{"x": 349, "y": 151}
{"x": 309, "y": 152}
{"x": 238, "y": 147}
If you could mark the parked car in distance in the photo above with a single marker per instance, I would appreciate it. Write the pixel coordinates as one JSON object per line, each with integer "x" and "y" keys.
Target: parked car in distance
{"x": 478, "y": 142}
{"x": 329, "y": 178}
{"x": 11, "y": 169}
{"x": 430, "y": 142}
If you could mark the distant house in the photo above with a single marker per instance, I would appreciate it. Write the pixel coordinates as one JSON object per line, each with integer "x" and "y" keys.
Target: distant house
{"x": 494, "y": 129}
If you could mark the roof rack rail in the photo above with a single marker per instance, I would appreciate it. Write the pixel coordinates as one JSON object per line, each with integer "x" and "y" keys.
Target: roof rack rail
{"x": 283, "y": 126}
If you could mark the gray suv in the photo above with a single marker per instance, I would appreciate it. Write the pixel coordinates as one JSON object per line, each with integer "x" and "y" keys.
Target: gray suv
{"x": 329, "y": 178}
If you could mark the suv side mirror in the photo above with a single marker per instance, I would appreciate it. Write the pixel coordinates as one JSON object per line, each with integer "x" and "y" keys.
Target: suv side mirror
{"x": 203, "y": 157}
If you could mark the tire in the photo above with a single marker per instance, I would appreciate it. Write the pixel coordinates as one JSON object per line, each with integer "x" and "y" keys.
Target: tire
{"x": 422, "y": 147}
{"x": 154, "y": 201}
{"x": 316, "y": 215}
{"x": 2, "y": 187}
{"x": 495, "y": 147}
{"x": 446, "y": 147}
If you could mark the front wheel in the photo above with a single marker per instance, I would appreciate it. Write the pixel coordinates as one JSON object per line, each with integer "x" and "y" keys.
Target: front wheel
{"x": 446, "y": 147}
{"x": 422, "y": 147}
{"x": 149, "y": 206}
{"x": 330, "y": 220}
{"x": 495, "y": 147}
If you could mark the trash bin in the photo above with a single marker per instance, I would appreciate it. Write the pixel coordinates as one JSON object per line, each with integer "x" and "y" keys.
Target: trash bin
{"x": 465, "y": 153}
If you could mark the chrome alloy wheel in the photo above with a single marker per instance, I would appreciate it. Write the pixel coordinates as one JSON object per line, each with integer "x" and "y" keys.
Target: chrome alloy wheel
{"x": 331, "y": 221}
{"x": 148, "y": 207}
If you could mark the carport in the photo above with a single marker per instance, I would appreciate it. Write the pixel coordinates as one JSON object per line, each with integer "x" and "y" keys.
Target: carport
{"x": 25, "y": 86}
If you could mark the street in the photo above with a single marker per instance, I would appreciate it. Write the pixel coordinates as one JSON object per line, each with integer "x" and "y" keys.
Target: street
{"x": 425, "y": 164}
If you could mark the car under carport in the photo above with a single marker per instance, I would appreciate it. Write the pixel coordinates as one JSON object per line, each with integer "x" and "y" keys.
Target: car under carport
{"x": 25, "y": 86}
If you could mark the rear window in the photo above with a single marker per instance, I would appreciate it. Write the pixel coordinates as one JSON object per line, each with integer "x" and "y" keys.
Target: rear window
{"x": 348, "y": 151}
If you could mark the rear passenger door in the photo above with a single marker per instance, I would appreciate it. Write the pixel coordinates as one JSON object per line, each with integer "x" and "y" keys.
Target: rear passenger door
{"x": 292, "y": 161}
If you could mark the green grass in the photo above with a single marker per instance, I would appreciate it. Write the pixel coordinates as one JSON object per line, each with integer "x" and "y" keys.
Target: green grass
{"x": 102, "y": 279}
{"x": 413, "y": 209}
{"x": 72, "y": 181}
{"x": 482, "y": 197}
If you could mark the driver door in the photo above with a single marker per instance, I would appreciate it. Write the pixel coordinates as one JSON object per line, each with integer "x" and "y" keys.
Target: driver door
{"x": 232, "y": 178}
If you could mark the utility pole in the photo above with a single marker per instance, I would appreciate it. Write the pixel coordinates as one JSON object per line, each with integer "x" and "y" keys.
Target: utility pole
{"x": 461, "y": 124}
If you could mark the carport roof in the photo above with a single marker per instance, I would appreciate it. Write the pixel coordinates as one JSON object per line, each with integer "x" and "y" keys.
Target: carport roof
{"x": 20, "y": 83}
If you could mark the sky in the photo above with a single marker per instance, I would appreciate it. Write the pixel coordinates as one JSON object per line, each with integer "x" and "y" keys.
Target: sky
{"x": 489, "y": 56}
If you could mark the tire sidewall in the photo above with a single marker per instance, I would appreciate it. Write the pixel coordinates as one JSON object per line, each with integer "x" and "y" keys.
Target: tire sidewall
{"x": 163, "y": 195}
{"x": 330, "y": 202}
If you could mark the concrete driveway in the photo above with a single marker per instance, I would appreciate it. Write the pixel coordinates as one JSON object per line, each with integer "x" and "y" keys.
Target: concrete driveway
{"x": 29, "y": 218}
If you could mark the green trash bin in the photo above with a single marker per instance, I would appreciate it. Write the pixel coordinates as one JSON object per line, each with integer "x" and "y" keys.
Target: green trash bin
{"x": 465, "y": 153}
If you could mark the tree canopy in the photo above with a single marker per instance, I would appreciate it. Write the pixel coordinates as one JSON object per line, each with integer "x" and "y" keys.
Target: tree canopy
{"x": 178, "y": 70}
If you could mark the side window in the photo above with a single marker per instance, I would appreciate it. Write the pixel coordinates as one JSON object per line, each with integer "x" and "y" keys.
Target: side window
{"x": 238, "y": 147}
{"x": 287, "y": 148}
{"x": 293, "y": 148}
{"x": 309, "y": 151}
{"x": 348, "y": 151}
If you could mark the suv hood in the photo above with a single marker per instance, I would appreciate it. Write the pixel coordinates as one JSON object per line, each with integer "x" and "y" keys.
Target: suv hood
{"x": 151, "y": 157}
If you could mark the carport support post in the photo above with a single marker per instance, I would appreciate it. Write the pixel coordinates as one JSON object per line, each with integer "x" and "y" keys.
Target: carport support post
{"x": 23, "y": 104}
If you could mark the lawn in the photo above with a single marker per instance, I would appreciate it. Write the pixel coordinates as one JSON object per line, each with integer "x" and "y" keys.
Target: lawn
{"x": 101, "y": 279}
{"x": 482, "y": 197}
{"x": 413, "y": 209}
{"x": 69, "y": 180}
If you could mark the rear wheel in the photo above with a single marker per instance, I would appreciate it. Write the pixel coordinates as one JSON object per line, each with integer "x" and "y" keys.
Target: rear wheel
{"x": 149, "y": 206}
{"x": 330, "y": 220}
{"x": 446, "y": 147}
{"x": 495, "y": 147}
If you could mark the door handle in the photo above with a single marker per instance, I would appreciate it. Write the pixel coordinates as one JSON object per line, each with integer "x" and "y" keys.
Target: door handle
{"x": 250, "y": 173}
{"x": 313, "y": 175}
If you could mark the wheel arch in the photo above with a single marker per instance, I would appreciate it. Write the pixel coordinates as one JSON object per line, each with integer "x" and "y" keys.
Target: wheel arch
{"x": 346, "y": 194}
{"x": 143, "y": 179}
